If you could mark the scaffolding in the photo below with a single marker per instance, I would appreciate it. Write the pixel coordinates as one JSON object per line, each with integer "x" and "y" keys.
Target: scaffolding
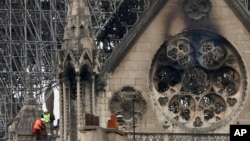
{"x": 31, "y": 32}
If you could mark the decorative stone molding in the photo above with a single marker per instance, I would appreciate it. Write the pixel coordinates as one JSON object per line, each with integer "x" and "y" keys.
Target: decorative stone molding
{"x": 239, "y": 12}
{"x": 135, "y": 31}
{"x": 198, "y": 80}
{"x": 128, "y": 105}
{"x": 197, "y": 9}
{"x": 177, "y": 137}
{"x": 77, "y": 58}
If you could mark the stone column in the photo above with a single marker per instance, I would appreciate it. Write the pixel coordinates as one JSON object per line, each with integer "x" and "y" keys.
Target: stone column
{"x": 66, "y": 98}
{"x": 93, "y": 94}
{"x": 61, "y": 108}
{"x": 102, "y": 105}
{"x": 79, "y": 107}
{"x": 87, "y": 99}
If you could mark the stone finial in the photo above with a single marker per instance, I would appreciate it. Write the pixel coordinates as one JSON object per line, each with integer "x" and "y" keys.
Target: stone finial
{"x": 30, "y": 98}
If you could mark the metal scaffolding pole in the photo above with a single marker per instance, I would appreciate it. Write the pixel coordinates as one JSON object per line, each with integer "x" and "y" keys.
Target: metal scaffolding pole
{"x": 31, "y": 32}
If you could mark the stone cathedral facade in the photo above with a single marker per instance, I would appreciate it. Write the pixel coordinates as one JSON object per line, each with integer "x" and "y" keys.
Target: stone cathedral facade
{"x": 179, "y": 73}
{"x": 184, "y": 71}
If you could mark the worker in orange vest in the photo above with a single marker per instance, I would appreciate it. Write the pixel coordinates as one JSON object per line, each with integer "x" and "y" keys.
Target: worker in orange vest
{"x": 38, "y": 128}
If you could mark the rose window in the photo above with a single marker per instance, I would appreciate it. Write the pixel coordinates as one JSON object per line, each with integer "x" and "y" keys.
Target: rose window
{"x": 128, "y": 105}
{"x": 199, "y": 80}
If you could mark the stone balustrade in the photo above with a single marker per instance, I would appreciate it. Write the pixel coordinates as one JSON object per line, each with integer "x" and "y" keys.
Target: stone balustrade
{"x": 177, "y": 137}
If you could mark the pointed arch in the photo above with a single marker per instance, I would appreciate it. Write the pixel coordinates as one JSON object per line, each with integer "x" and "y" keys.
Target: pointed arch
{"x": 70, "y": 74}
{"x": 85, "y": 73}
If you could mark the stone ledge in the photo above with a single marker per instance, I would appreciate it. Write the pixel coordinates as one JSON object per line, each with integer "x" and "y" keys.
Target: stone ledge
{"x": 106, "y": 130}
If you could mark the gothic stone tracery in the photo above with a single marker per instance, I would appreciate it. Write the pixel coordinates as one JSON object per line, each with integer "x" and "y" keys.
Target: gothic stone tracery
{"x": 197, "y": 9}
{"x": 198, "y": 79}
{"x": 124, "y": 103}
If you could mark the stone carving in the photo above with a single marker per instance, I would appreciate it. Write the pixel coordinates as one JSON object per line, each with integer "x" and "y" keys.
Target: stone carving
{"x": 166, "y": 76}
{"x": 163, "y": 100}
{"x": 181, "y": 106}
{"x": 146, "y": 137}
{"x": 197, "y": 9}
{"x": 97, "y": 64}
{"x": 101, "y": 83}
{"x": 197, "y": 122}
{"x": 211, "y": 54}
{"x": 71, "y": 31}
{"x": 213, "y": 106}
{"x": 198, "y": 80}
{"x": 127, "y": 104}
{"x": 181, "y": 52}
{"x": 231, "y": 101}
{"x": 228, "y": 80}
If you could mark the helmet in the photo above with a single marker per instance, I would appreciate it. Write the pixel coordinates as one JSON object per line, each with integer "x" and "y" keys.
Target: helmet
{"x": 45, "y": 111}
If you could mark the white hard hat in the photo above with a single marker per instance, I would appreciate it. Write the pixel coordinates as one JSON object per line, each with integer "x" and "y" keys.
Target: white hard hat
{"x": 45, "y": 110}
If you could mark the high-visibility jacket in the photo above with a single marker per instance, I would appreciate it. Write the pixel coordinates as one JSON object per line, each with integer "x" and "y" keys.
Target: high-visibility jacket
{"x": 46, "y": 117}
{"x": 38, "y": 124}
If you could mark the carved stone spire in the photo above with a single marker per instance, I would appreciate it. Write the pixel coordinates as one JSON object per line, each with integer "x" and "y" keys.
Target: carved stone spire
{"x": 75, "y": 65}
{"x": 78, "y": 27}
{"x": 78, "y": 42}
{"x": 30, "y": 98}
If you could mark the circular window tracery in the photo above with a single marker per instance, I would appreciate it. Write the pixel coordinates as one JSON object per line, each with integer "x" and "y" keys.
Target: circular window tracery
{"x": 129, "y": 105}
{"x": 183, "y": 107}
{"x": 197, "y": 9}
{"x": 211, "y": 54}
{"x": 166, "y": 77}
{"x": 213, "y": 107}
{"x": 195, "y": 80}
{"x": 181, "y": 53}
{"x": 207, "y": 88}
{"x": 227, "y": 80}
